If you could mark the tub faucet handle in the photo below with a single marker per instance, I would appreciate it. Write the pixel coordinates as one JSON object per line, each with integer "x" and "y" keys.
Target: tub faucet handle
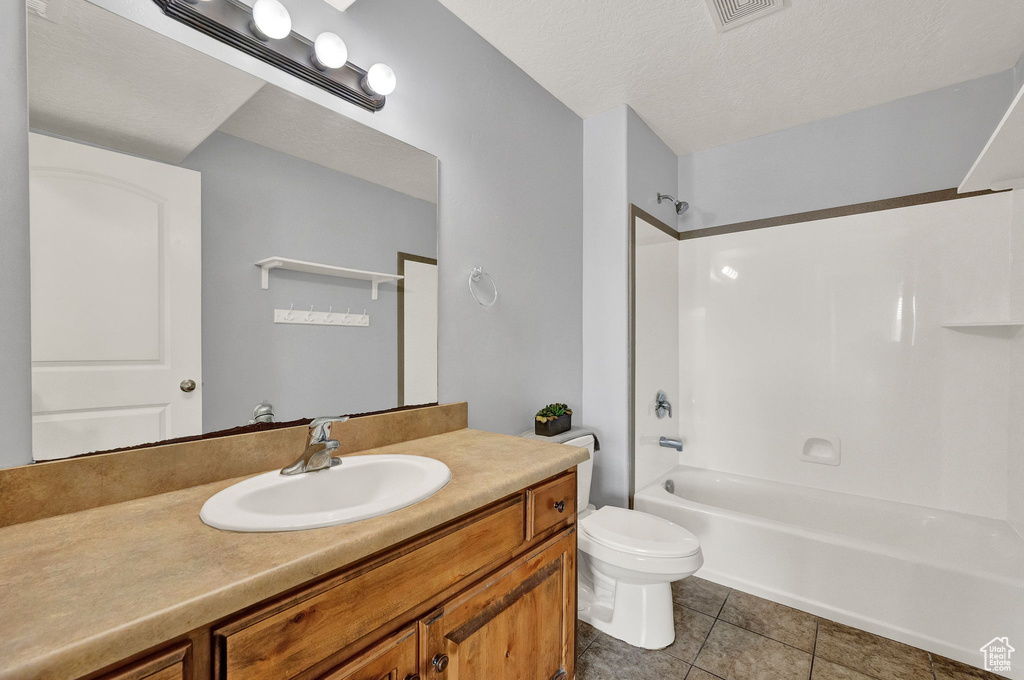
{"x": 662, "y": 407}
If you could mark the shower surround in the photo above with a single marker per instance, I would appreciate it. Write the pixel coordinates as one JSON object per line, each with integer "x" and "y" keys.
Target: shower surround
{"x": 888, "y": 339}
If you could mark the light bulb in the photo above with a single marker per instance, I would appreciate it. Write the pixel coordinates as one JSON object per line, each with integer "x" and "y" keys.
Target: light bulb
{"x": 329, "y": 51}
{"x": 380, "y": 79}
{"x": 270, "y": 20}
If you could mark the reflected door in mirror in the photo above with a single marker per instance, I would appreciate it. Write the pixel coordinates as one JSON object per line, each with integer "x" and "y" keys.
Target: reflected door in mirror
{"x": 417, "y": 328}
{"x": 115, "y": 299}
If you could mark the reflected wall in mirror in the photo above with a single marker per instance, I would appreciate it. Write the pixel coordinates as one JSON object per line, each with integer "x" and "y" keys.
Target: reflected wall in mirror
{"x": 160, "y": 176}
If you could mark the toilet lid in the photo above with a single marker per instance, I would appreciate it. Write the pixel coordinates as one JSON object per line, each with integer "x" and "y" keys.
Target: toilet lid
{"x": 638, "y": 533}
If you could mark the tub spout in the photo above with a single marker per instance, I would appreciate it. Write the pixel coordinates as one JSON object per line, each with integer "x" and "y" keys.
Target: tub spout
{"x": 676, "y": 444}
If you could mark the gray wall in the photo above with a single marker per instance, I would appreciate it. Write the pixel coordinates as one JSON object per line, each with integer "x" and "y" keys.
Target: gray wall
{"x": 605, "y": 300}
{"x": 510, "y": 191}
{"x": 652, "y": 168}
{"x": 15, "y": 346}
{"x": 258, "y": 203}
{"x": 912, "y": 145}
{"x": 624, "y": 162}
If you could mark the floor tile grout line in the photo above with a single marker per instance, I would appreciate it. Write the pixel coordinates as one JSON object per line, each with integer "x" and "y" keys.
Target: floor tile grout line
{"x": 693, "y": 664}
{"x": 767, "y": 637}
{"x": 814, "y": 649}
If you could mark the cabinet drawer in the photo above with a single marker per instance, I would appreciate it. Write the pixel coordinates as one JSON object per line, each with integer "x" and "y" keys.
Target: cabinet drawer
{"x": 551, "y": 503}
{"x": 171, "y": 664}
{"x": 291, "y": 635}
{"x": 392, "y": 659}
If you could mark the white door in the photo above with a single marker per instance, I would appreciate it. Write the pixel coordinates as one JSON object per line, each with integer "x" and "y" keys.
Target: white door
{"x": 116, "y": 317}
{"x": 419, "y": 320}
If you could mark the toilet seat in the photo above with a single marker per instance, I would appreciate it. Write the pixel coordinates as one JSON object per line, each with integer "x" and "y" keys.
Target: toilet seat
{"x": 638, "y": 533}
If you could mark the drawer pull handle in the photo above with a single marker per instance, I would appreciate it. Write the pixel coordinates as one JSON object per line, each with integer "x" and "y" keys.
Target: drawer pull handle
{"x": 440, "y": 662}
{"x": 560, "y": 506}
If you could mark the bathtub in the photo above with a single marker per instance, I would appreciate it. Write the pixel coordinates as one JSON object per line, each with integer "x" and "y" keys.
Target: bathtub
{"x": 942, "y": 581}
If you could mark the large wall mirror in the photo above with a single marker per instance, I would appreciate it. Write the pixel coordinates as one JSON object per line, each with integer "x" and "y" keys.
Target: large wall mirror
{"x": 159, "y": 178}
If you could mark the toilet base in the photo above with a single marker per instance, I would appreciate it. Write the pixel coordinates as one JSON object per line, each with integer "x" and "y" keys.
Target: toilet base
{"x": 640, "y": 615}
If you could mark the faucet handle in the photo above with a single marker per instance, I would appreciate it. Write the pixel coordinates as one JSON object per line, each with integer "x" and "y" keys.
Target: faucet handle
{"x": 320, "y": 428}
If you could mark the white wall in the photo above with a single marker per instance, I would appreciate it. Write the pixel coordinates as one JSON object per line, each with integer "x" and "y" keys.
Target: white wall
{"x": 833, "y": 328}
{"x": 1015, "y": 454}
{"x": 656, "y": 350}
{"x": 15, "y": 339}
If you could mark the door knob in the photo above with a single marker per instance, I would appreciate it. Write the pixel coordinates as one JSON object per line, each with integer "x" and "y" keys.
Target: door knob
{"x": 440, "y": 662}
{"x": 187, "y": 385}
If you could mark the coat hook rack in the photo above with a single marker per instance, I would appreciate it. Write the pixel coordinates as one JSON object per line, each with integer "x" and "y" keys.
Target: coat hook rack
{"x": 315, "y": 318}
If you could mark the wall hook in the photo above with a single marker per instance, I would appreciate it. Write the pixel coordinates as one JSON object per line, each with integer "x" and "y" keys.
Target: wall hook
{"x": 309, "y": 314}
{"x": 289, "y": 316}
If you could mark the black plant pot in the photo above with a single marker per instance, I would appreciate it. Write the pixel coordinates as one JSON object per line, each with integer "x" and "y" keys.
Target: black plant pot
{"x": 553, "y": 427}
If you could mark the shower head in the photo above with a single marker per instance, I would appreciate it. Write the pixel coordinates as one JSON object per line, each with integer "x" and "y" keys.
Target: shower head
{"x": 681, "y": 206}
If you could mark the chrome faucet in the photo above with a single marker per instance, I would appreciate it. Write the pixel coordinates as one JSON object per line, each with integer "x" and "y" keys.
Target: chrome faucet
{"x": 319, "y": 447}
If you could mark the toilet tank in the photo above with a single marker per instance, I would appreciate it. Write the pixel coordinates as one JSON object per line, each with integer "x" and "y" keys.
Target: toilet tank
{"x": 584, "y": 471}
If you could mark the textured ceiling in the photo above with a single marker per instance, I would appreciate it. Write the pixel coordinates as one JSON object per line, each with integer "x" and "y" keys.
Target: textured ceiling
{"x": 698, "y": 88}
{"x": 288, "y": 123}
{"x": 96, "y": 77}
{"x": 99, "y": 78}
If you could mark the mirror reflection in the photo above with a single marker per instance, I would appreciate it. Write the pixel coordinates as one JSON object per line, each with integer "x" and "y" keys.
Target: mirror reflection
{"x": 160, "y": 177}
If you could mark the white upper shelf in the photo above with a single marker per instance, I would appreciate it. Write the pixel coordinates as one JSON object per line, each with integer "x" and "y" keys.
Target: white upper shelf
{"x": 1001, "y": 163}
{"x": 376, "y": 278}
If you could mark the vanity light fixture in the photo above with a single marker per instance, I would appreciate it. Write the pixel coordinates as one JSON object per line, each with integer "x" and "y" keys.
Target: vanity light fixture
{"x": 380, "y": 80}
{"x": 329, "y": 51}
{"x": 270, "y": 20}
{"x": 265, "y": 32}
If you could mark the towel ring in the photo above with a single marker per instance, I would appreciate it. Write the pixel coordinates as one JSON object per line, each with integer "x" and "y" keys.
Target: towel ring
{"x": 476, "y": 274}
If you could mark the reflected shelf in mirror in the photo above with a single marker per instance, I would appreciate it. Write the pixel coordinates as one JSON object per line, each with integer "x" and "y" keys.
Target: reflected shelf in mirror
{"x": 271, "y": 263}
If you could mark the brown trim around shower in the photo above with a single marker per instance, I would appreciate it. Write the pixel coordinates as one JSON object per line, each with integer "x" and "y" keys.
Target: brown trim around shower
{"x": 634, "y": 213}
{"x": 402, "y": 259}
{"x": 827, "y": 213}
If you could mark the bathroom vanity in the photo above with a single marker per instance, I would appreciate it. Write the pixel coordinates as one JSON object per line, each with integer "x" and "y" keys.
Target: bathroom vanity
{"x": 477, "y": 581}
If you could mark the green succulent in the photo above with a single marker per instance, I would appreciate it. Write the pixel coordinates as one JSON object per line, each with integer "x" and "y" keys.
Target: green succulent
{"x": 553, "y": 411}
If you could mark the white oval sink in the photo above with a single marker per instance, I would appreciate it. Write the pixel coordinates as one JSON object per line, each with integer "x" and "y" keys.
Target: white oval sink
{"x": 360, "y": 488}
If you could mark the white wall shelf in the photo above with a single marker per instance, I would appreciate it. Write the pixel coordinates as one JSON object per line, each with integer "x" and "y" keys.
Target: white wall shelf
{"x": 1001, "y": 163}
{"x": 375, "y": 278}
{"x": 983, "y": 324}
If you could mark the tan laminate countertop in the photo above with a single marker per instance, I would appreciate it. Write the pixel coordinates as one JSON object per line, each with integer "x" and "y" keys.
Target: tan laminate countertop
{"x": 84, "y": 590}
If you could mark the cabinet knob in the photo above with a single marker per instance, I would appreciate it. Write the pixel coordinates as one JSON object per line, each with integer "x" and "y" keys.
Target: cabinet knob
{"x": 560, "y": 506}
{"x": 412, "y": 677}
{"x": 440, "y": 662}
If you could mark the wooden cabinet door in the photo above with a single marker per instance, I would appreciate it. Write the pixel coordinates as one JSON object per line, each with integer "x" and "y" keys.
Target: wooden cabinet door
{"x": 394, "y": 658}
{"x": 517, "y": 625}
{"x": 171, "y": 664}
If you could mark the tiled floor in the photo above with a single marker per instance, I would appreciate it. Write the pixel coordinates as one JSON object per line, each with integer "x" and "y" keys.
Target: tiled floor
{"x": 725, "y": 634}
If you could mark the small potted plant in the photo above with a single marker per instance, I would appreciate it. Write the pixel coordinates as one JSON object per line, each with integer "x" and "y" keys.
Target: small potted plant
{"x": 553, "y": 419}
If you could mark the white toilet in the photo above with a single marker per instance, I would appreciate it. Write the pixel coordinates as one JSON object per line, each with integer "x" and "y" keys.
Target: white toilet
{"x": 627, "y": 562}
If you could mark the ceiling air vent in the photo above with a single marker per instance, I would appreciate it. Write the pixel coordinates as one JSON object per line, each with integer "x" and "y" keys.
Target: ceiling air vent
{"x": 729, "y": 14}
{"x": 47, "y": 9}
